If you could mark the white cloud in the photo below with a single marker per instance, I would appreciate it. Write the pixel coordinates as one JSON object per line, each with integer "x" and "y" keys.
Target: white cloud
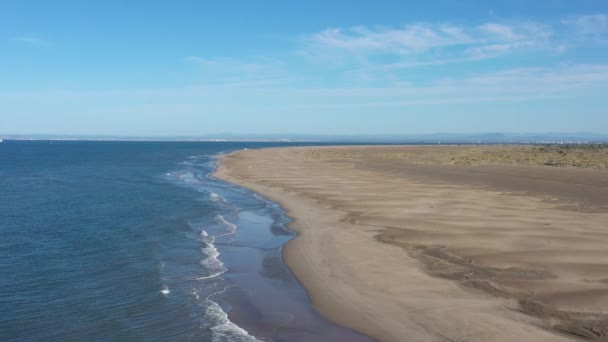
{"x": 589, "y": 25}
{"x": 404, "y": 40}
{"x": 496, "y": 50}
{"x": 421, "y": 44}
{"x": 503, "y": 32}
{"x": 380, "y": 55}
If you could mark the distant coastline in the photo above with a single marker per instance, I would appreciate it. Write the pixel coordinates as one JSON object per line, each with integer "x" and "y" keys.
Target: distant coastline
{"x": 431, "y": 138}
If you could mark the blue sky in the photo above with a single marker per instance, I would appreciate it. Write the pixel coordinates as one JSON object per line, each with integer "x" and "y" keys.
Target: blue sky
{"x": 345, "y": 67}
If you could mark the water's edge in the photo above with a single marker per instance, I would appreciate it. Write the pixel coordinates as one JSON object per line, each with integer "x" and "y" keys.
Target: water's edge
{"x": 345, "y": 333}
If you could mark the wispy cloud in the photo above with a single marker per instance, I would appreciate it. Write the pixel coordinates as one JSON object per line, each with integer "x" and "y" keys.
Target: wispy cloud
{"x": 385, "y": 55}
{"x": 423, "y": 44}
{"x": 403, "y": 41}
{"x": 592, "y": 26}
{"x": 503, "y": 32}
{"x": 381, "y": 51}
{"x": 422, "y": 38}
{"x": 32, "y": 41}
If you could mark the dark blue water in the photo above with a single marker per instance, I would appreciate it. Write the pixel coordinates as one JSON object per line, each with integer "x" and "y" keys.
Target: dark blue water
{"x": 135, "y": 241}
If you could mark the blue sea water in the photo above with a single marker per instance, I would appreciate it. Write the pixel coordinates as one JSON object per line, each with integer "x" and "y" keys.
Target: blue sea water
{"x": 135, "y": 241}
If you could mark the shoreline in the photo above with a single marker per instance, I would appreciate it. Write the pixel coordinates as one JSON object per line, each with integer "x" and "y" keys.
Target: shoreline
{"x": 329, "y": 262}
{"x": 290, "y": 248}
{"x": 313, "y": 324}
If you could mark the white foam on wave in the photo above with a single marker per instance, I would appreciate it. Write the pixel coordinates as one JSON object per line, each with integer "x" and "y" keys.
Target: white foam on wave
{"x": 230, "y": 227}
{"x": 195, "y": 294}
{"x": 212, "y": 261}
{"x": 211, "y": 251}
{"x": 184, "y": 176}
{"x": 223, "y": 329}
{"x": 188, "y": 177}
{"x": 217, "y": 198}
{"x": 165, "y": 291}
{"x": 211, "y": 276}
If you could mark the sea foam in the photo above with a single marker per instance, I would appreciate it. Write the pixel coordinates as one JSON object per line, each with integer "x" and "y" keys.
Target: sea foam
{"x": 212, "y": 262}
{"x": 230, "y": 227}
{"x": 217, "y": 198}
{"x": 223, "y": 329}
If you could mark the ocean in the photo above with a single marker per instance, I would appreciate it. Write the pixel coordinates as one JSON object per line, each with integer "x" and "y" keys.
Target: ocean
{"x": 135, "y": 241}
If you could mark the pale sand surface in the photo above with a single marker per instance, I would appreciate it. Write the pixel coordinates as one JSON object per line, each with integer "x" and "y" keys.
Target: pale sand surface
{"x": 405, "y": 247}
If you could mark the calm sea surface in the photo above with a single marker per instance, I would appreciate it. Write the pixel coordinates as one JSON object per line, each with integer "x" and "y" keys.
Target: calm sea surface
{"x": 134, "y": 241}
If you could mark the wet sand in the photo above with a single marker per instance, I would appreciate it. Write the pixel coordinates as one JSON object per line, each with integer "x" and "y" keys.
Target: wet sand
{"x": 410, "y": 247}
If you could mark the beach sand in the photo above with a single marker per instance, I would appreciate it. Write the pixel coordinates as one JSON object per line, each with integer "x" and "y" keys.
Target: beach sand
{"x": 427, "y": 243}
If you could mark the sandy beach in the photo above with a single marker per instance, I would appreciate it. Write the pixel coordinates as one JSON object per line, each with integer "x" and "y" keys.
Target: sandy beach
{"x": 443, "y": 243}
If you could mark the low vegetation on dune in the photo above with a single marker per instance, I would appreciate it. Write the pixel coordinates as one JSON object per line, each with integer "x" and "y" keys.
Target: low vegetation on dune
{"x": 574, "y": 155}
{"x": 586, "y": 156}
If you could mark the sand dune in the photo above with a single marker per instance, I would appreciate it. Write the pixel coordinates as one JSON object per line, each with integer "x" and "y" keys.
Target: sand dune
{"x": 412, "y": 249}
